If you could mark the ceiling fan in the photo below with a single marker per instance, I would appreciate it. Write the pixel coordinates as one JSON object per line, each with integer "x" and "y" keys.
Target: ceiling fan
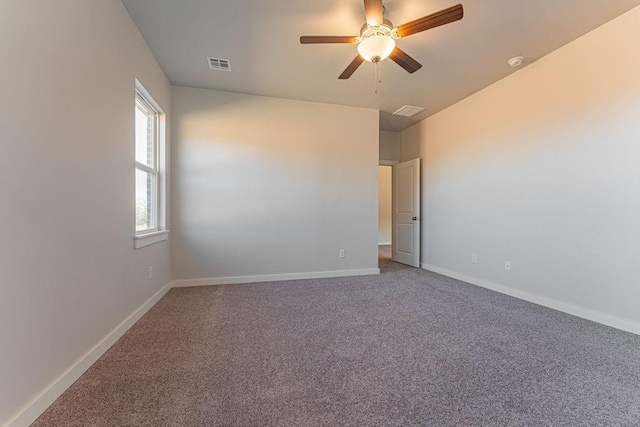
{"x": 377, "y": 39}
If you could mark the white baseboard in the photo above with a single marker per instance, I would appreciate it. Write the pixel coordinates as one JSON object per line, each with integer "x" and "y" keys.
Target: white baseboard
{"x": 384, "y": 243}
{"x": 30, "y": 412}
{"x": 272, "y": 277}
{"x": 585, "y": 313}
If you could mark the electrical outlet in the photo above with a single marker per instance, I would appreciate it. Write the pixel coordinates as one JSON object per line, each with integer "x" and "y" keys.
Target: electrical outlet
{"x": 474, "y": 258}
{"x": 507, "y": 265}
{"x": 151, "y": 272}
{"x": 342, "y": 253}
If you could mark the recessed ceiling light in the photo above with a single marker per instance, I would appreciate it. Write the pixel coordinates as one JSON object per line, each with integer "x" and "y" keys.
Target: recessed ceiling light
{"x": 516, "y": 62}
{"x": 408, "y": 111}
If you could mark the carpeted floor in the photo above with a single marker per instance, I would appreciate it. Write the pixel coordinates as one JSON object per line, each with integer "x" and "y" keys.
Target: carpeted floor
{"x": 408, "y": 347}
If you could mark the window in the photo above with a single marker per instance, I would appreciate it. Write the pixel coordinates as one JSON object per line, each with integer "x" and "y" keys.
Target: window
{"x": 148, "y": 169}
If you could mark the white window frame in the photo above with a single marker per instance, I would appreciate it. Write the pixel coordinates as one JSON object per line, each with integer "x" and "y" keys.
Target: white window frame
{"x": 158, "y": 232}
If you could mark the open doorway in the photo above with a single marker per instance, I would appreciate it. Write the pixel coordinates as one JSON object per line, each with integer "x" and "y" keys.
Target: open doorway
{"x": 384, "y": 211}
{"x": 399, "y": 213}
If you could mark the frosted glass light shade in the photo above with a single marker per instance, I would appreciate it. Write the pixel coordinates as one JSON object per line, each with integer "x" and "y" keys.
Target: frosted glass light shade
{"x": 376, "y": 47}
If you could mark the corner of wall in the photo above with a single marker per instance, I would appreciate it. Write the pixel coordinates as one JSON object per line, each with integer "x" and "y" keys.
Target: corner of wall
{"x": 46, "y": 397}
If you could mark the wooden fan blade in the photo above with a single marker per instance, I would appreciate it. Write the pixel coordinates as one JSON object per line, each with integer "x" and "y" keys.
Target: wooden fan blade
{"x": 373, "y": 11}
{"x": 352, "y": 67}
{"x": 446, "y": 16}
{"x": 405, "y": 61}
{"x": 327, "y": 39}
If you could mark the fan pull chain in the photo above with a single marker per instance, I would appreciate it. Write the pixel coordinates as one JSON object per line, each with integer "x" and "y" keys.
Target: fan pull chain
{"x": 377, "y": 77}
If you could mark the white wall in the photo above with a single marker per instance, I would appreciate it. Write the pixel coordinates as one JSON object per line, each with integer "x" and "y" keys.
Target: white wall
{"x": 68, "y": 271}
{"x": 271, "y": 186}
{"x": 384, "y": 205}
{"x": 543, "y": 169}
{"x": 389, "y": 146}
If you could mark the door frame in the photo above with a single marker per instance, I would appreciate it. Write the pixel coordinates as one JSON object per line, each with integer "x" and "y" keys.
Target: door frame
{"x": 388, "y": 163}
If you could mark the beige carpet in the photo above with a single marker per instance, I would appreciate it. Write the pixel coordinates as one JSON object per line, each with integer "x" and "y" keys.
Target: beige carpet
{"x": 408, "y": 347}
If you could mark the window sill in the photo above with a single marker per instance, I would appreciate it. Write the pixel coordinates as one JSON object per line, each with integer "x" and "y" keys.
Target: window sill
{"x": 142, "y": 240}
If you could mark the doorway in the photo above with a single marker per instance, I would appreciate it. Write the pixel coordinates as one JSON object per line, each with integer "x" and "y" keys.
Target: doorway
{"x": 384, "y": 205}
{"x": 385, "y": 225}
{"x": 399, "y": 212}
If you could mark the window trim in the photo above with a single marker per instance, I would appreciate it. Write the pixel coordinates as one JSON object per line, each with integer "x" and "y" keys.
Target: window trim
{"x": 158, "y": 170}
{"x": 142, "y": 240}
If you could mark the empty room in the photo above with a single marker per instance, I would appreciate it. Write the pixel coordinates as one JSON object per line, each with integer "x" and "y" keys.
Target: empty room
{"x": 319, "y": 213}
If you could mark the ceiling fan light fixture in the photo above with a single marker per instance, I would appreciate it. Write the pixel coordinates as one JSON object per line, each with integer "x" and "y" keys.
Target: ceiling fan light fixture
{"x": 376, "y": 47}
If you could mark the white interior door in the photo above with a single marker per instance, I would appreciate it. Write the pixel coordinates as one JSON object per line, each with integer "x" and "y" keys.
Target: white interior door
{"x": 405, "y": 247}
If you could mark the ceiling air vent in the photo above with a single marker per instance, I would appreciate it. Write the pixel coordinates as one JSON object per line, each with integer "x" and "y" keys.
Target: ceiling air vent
{"x": 408, "y": 111}
{"x": 219, "y": 64}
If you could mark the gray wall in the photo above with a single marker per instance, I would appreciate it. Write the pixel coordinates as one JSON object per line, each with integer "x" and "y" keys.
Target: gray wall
{"x": 68, "y": 271}
{"x": 542, "y": 169}
{"x": 271, "y": 186}
{"x": 389, "y": 145}
{"x": 409, "y": 146}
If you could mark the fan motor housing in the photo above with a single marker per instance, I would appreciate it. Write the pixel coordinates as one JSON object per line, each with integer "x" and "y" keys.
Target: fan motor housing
{"x": 386, "y": 29}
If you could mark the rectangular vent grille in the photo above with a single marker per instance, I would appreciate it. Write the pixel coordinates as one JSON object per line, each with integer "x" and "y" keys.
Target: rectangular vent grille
{"x": 408, "y": 111}
{"x": 219, "y": 64}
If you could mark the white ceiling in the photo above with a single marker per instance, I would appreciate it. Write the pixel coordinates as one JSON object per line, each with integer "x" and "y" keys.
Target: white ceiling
{"x": 261, "y": 38}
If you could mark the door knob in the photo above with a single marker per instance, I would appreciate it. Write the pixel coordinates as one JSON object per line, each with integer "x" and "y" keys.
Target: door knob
{"x": 415, "y": 218}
